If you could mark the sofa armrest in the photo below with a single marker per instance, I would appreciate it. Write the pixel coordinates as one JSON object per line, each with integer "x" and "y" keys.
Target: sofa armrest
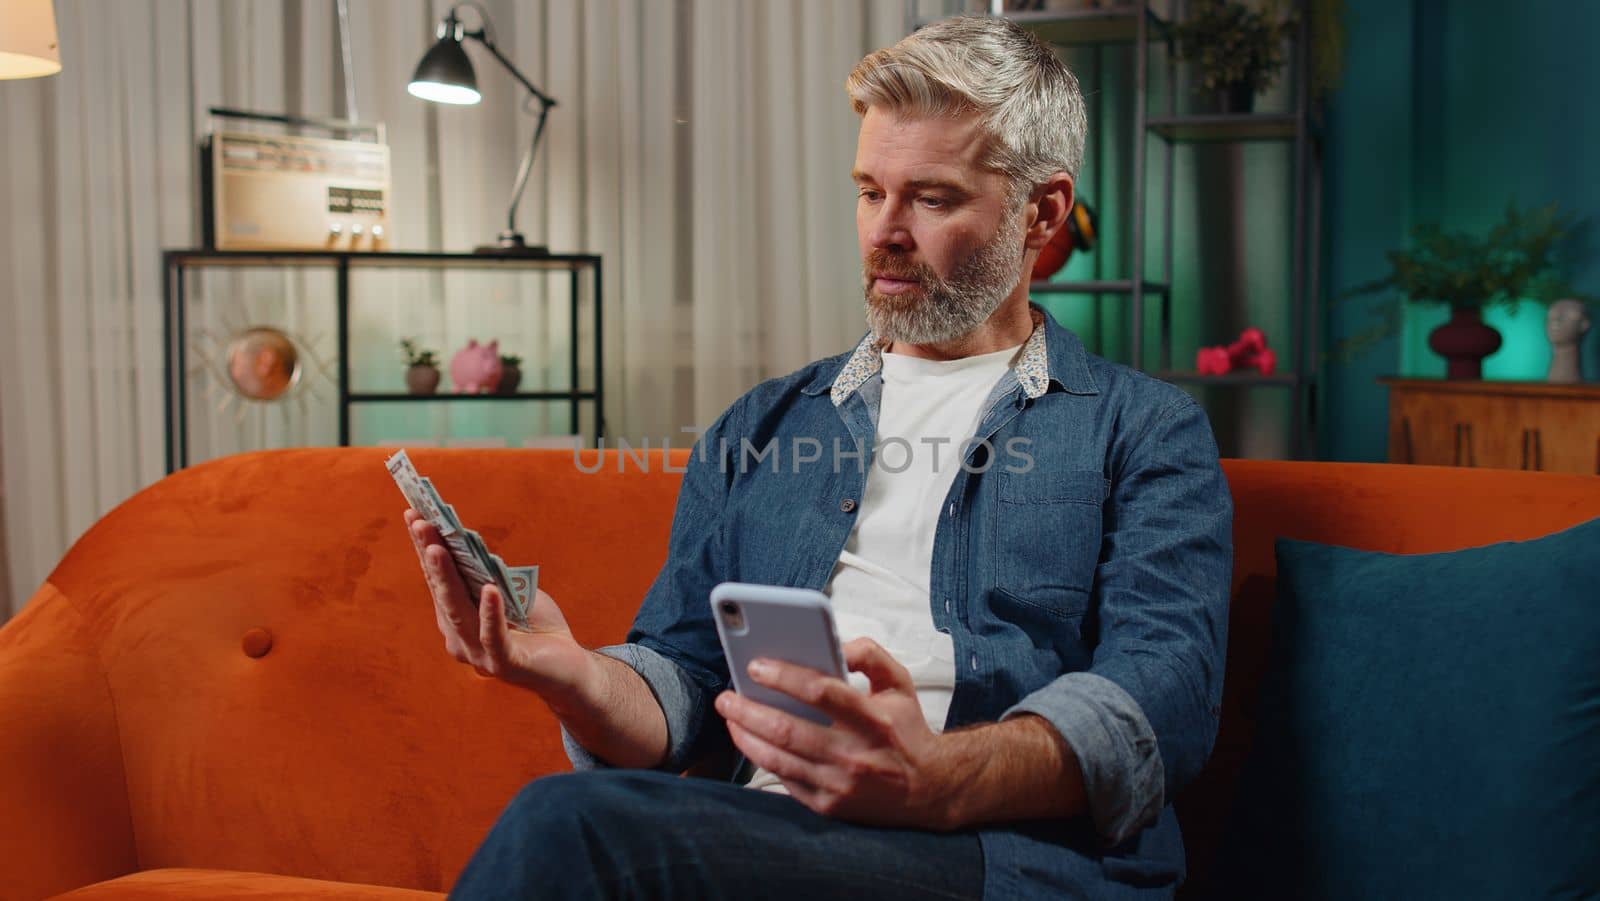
{"x": 64, "y": 818}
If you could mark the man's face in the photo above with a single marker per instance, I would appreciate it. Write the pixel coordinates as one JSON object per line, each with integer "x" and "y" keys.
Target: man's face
{"x": 941, "y": 247}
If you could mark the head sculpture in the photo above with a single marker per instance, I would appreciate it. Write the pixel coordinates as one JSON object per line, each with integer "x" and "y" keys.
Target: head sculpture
{"x": 1566, "y": 322}
{"x": 1565, "y": 325}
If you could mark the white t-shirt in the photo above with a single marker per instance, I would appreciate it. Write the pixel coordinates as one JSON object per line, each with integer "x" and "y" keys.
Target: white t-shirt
{"x": 879, "y": 587}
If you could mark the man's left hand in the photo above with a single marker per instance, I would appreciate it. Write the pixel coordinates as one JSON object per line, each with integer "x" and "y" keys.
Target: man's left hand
{"x": 878, "y": 764}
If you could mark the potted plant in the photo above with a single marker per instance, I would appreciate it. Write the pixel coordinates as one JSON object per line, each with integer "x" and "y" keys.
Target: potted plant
{"x": 1239, "y": 51}
{"x": 510, "y": 374}
{"x": 422, "y": 368}
{"x": 1515, "y": 260}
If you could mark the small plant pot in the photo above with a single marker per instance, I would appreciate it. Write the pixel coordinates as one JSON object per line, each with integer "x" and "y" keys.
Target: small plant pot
{"x": 422, "y": 379}
{"x": 1237, "y": 99}
{"x": 510, "y": 378}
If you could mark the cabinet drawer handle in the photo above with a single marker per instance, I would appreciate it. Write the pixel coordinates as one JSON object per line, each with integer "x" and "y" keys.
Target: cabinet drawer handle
{"x": 1532, "y": 449}
{"x": 1464, "y": 443}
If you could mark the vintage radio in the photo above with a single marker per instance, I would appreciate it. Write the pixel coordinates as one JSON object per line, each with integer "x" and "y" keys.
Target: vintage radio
{"x": 292, "y": 192}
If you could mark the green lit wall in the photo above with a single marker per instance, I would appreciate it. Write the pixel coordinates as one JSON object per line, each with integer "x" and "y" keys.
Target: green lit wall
{"x": 1231, "y": 227}
{"x": 1446, "y": 112}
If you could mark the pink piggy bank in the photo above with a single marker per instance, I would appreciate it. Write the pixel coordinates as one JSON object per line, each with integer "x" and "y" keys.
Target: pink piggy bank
{"x": 475, "y": 369}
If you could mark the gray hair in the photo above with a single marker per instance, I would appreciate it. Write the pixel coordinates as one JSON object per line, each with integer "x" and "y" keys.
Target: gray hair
{"x": 1027, "y": 97}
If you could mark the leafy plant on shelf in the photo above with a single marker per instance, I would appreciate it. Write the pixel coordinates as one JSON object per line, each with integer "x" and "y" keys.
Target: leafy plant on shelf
{"x": 1234, "y": 44}
{"x": 510, "y": 360}
{"x": 1517, "y": 259}
{"x": 415, "y": 356}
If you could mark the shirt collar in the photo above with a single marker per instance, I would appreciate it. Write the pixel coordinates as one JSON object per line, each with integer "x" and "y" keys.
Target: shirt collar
{"x": 1033, "y": 366}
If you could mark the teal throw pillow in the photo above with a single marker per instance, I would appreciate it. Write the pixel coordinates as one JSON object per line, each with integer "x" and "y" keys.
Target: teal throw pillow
{"x": 1429, "y": 726}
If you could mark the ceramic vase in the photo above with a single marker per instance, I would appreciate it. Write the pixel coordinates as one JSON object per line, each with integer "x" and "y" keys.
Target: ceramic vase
{"x": 1236, "y": 99}
{"x": 422, "y": 379}
{"x": 1463, "y": 342}
{"x": 510, "y": 378}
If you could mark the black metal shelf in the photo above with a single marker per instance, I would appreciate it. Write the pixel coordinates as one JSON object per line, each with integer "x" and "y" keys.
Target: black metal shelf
{"x": 1101, "y": 286}
{"x": 1233, "y": 379}
{"x": 1087, "y": 27}
{"x": 178, "y": 264}
{"x": 1150, "y": 37}
{"x": 387, "y": 259}
{"x": 403, "y": 396}
{"x": 1231, "y": 128}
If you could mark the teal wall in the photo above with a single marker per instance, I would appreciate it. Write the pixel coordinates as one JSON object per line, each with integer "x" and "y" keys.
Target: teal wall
{"x": 1446, "y": 111}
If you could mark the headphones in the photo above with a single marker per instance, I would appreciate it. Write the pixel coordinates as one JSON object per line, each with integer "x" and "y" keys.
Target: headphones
{"x": 1081, "y": 225}
{"x": 1079, "y": 233}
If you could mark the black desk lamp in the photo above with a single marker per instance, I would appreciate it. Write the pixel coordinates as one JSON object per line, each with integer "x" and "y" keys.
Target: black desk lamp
{"x": 445, "y": 75}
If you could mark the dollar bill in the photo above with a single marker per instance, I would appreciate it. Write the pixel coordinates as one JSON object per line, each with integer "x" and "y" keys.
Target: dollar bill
{"x": 421, "y": 495}
{"x": 477, "y": 565}
{"x": 448, "y": 521}
{"x": 525, "y": 583}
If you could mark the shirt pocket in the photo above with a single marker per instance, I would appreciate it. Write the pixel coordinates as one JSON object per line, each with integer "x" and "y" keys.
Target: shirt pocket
{"x": 1047, "y": 537}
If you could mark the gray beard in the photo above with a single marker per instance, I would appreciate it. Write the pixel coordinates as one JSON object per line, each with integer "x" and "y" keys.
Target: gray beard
{"x": 943, "y": 310}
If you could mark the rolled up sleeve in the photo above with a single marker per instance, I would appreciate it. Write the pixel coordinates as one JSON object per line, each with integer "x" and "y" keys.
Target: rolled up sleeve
{"x": 1114, "y": 745}
{"x": 1143, "y": 718}
{"x": 680, "y": 697}
{"x": 673, "y": 643}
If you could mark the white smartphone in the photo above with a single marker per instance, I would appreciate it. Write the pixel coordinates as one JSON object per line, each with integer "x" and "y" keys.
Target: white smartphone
{"x": 794, "y": 625}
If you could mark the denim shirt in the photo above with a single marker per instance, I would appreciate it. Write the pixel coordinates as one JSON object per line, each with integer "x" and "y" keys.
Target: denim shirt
{"x": 1081, "y": 565}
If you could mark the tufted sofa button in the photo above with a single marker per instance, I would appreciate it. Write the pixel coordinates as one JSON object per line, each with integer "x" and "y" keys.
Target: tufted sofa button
{"x": 257, "y": 642}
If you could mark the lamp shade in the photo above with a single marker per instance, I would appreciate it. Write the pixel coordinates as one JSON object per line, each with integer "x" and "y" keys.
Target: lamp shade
{"x": 28, "y": 47}
{"x": 445, "y": 75}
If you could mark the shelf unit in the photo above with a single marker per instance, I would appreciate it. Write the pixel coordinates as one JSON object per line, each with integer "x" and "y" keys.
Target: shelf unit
{"x": 1140, "y": 25}
{"x": 178, "y": 264}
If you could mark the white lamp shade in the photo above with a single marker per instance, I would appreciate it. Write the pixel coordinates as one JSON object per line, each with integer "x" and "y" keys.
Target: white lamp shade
{"x": 28, "y": 47}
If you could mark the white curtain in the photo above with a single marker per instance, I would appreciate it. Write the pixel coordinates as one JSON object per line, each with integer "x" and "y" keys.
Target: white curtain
{"x": 702, "y": 147}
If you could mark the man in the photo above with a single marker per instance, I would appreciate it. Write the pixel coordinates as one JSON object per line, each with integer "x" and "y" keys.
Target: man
{"x": 1031, "y": 565}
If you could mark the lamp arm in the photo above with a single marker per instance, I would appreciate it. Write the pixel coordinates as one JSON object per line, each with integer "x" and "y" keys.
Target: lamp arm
{"x": 525, "y": 168}
{"x": 494, "y": 51}
{"x": 545, "y": 103}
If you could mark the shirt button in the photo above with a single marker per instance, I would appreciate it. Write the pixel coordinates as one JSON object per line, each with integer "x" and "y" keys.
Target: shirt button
{"x": 974, "y": 662}
{"x": 847, "y": 505}
{"x": 947, "y": 605}
{"x": 952, "y": 509}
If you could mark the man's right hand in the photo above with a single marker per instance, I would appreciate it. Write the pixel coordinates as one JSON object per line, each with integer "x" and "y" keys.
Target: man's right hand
{"x": 546, "y": 659}
{"x": 606, "y": 706}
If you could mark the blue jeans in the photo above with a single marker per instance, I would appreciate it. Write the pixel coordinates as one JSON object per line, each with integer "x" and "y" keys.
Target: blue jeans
{"x": 640, "y": 834}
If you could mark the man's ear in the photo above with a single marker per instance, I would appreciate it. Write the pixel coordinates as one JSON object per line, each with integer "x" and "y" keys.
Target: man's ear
{"x": 1051, "y": 203}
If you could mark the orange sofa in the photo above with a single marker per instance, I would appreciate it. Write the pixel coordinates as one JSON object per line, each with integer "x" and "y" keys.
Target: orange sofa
{"x": 233, "y": 685}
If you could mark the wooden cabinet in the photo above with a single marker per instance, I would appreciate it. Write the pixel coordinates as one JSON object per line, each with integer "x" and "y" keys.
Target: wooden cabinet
{"x": 1500, "y": 425}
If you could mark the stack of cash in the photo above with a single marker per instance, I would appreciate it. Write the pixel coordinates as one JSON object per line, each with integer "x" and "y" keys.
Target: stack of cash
{"x": 517, "y": 584}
